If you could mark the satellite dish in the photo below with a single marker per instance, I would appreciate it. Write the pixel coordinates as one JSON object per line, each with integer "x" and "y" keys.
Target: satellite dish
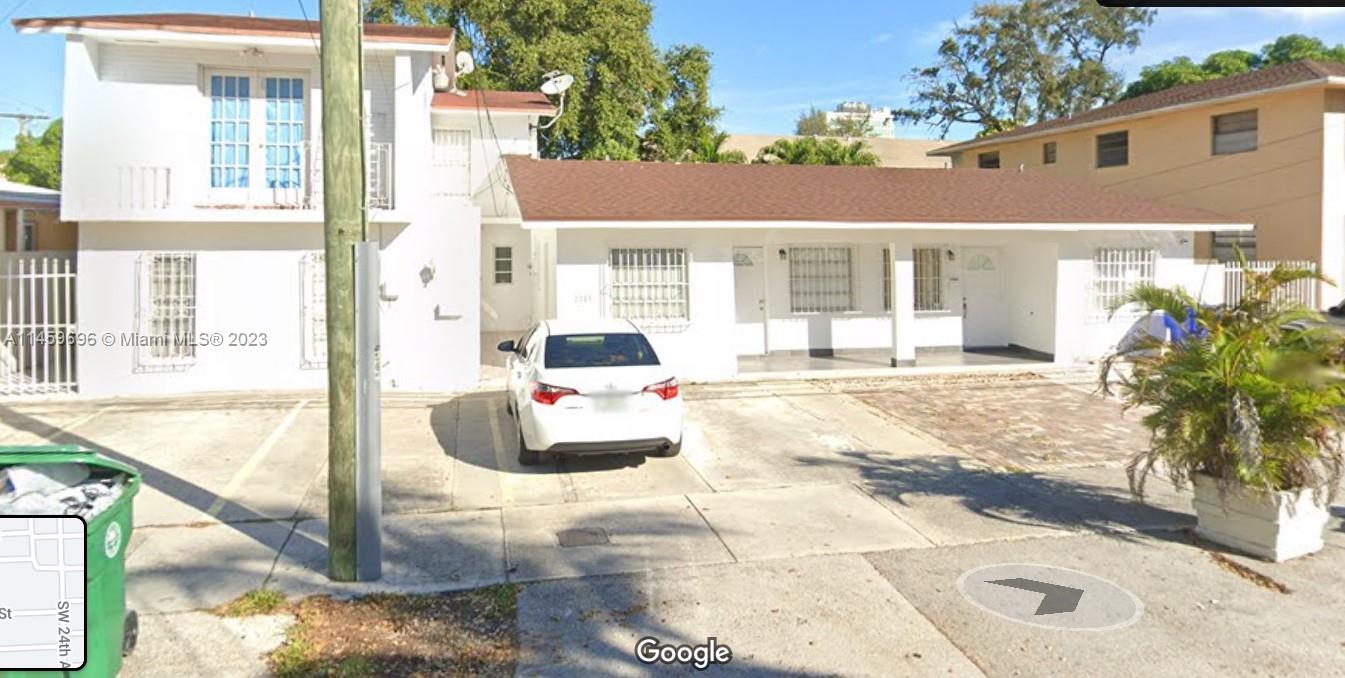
{"x": 556, "y": 83}
{"x": 466, "y": 64}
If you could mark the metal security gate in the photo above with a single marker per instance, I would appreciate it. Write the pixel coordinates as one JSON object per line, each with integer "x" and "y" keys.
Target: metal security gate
{"x": 37, "y": 323}
{"x": 1300, "y": 291}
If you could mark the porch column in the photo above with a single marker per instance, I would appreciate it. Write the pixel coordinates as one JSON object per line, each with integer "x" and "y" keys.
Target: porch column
{"x": 902, "y": 277}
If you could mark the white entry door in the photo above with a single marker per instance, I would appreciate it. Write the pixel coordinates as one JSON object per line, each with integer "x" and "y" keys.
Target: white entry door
{"x": 749, "y": 289}
{"x": 984, "y": 321}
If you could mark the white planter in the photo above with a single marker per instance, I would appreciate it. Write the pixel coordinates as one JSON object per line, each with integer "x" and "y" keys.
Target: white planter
{"x": 1276, "y": 526}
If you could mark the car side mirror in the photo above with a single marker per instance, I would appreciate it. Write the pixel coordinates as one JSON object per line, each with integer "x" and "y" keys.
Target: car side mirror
{"x": 506, "y": 347}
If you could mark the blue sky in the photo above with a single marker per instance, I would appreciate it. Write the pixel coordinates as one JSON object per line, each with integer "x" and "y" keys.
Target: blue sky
{"x": 771, "y": 59}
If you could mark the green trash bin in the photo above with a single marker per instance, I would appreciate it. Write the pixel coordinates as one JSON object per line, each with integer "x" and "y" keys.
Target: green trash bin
{"x": 110, "y": 629}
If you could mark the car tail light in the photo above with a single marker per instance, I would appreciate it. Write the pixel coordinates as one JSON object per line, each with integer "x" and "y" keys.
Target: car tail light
{"x": 547, "y": 394}
{"x": 666, "y": 390}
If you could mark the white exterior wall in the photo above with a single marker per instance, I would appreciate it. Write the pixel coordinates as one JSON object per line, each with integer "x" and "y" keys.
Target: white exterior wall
{"x": 145, "y": 107}
{"x": 1046, "y": 275}
{"x": 248, "y": 276}
{"x": 506, "y": 307}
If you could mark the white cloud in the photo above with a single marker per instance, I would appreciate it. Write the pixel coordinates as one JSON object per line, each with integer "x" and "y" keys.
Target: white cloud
{"x": 881, "y": 38}
{"x": 1301, "y": 14}
{"x": 1304, "y": 14}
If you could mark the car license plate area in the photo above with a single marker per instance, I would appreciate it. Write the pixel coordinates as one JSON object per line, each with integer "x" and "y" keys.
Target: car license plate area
{"x": 610, "y": 402}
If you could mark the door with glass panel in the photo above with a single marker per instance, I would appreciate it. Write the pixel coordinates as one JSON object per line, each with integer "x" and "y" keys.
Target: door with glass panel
{"x": 258, "y": 138}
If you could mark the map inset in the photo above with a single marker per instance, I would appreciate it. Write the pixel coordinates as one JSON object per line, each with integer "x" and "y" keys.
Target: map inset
{"x": 41, "y": 592}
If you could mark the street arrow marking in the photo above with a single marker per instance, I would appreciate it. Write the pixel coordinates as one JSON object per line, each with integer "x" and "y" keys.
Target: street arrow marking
{"x": 1055, "y": 598}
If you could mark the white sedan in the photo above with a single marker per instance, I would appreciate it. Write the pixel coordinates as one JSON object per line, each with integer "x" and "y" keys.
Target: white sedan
{"x": 591, "y": 387}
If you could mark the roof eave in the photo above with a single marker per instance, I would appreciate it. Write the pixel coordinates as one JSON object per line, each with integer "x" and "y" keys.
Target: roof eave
{"x": 162, "y": 34}
{"x": 949, "y": 151}
{"x": 572, "y": 224}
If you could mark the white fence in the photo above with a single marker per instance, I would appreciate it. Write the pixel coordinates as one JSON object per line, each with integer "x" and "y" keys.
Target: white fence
{"x": 37, "y": 323}
{"x": 1301, "y": 291}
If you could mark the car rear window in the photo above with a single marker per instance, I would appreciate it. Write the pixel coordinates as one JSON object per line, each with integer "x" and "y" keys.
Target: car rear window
{"x": 598, "y": 350}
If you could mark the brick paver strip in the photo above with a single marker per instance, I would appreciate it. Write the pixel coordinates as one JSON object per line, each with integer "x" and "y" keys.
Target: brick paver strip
{"x": 1035, "y": 426}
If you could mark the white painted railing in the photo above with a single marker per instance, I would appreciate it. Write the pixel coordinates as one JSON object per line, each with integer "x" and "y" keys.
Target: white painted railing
{"x": 37, "y": 323}
{"x": 146, "y": 188}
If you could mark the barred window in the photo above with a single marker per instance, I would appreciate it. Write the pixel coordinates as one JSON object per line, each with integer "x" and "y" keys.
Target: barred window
{"x": 1048, "y": 153}
{"x": 988, "y": 160}
{"x": 504, "y": 265}
{"x": 928, "y": 279}
{"x": 650, "y": 285}
{"x": 1117, "y": 271}
{"x": 167, "y": 311}
{"x": 451, "y": 156}
{"x": 313, "y": 321}
{"x": 820, "y": 280}
{"x": 887, "y": 279}
{"x": 1234, "y": 132}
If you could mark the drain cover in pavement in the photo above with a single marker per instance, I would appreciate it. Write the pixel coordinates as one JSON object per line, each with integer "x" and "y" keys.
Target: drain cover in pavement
{"x": 583, "y": 536}
{"x": 1050, "y": 597}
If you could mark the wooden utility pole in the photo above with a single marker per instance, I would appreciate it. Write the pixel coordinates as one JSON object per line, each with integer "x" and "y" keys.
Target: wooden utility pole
{"x": 343, "y": 212}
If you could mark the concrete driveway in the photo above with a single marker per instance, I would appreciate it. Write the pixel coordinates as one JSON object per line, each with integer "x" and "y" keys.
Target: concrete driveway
{"x": 794, "y": 526}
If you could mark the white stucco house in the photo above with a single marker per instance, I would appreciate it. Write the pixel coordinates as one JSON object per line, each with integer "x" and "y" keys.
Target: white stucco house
{"x": 192, "y": 168}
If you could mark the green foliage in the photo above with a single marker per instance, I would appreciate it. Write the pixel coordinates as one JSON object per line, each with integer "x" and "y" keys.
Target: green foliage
{"x": 254, "y": 602}
{"x": 683, "y": 119}
{"x": 815, "y": 151}
{"x": 857, "y": 126}
{"x": 1258, "y": 402}
{"x": 620, "y": 77}
{"x": 711, "y": 150}
{"x": 1012, "y": 64}
{"x": 812, "y": 123}
{"x": 1183, "y": 71}
{"x": 37, "y": 160}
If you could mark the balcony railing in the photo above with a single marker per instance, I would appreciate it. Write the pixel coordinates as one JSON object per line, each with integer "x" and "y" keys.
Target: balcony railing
{"x": 145, "y": 188}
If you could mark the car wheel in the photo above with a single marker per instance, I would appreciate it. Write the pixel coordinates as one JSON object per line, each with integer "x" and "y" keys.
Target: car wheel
{"x": 673, "y": 451}
{"x": 526, "y": 456}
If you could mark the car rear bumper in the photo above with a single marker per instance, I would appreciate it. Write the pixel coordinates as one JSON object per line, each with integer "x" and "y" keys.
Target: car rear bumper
{"x": 612, "y": 447}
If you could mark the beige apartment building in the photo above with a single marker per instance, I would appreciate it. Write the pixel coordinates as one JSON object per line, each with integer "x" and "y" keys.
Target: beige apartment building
{"x": 1266, "y": 147}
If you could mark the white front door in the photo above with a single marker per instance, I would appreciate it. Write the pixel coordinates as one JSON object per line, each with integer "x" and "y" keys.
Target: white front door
{"x": 749, "y": 289}
{"x": 984, "y": 320}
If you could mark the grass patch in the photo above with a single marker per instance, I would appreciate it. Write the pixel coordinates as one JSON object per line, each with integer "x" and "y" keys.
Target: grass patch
{"x": 254, "y": 602}
{"x": 457, "y": 633}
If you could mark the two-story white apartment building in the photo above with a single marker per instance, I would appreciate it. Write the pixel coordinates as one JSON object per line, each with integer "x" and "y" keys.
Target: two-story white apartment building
{"x": 192, "y": 167}
{"x": 192, "y": 164}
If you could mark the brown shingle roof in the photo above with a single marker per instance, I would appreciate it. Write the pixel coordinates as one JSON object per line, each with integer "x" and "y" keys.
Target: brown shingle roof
{"x": 1274, "y": 77}
{"x": 495, "y": 100}
{"x": 223, "y": 24}
{"x": 590, "y": 190}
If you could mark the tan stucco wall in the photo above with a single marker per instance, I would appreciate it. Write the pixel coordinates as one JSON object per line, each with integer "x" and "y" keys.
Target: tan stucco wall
{"x": 52, "y": 233}
{"x": 1278, "y": 187}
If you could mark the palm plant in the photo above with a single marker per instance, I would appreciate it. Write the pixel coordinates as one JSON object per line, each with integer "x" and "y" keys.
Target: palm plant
{"x": 711, "y": 149}
{"x": 814, "y": 151}
{"x": 1254, "y": 398}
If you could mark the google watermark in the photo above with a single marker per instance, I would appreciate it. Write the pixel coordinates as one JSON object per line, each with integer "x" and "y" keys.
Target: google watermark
{"x": 700, "y": 657}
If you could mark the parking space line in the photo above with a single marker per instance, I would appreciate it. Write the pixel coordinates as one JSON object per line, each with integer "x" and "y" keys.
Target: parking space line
{"x": 497, "y": 446}
{"x": 245, "y": 471}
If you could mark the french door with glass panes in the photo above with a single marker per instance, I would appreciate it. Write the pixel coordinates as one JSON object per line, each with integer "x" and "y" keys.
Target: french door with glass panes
{"x": 258, "y": 134}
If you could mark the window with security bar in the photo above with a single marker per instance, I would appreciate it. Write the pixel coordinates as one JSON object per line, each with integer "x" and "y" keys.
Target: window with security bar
{"x": 451, "y": 155}
{"x": 928, "y": 279}
{"x": 649, "y": 286}
{"x": 1117, "y": 271}
{"x": 167, "y": 313}
{"x": 504, "y": 265}
{"x": 821, "y": 280}
{"x": 313, "y": 319}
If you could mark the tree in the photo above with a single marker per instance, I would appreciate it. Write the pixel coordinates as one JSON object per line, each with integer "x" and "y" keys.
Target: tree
{"x": 683, "y": 119}
{"x": 711, "y": 150}
{"x": 37, "y": 160}
{"x": 619, "y": 75}
{"x": 812, "y": 123}
{"x": 814, "y": 151}
{"x": 1183, "y": 71}
{"x": 851, "y": 126}
{"x": 1012, "y": 64}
